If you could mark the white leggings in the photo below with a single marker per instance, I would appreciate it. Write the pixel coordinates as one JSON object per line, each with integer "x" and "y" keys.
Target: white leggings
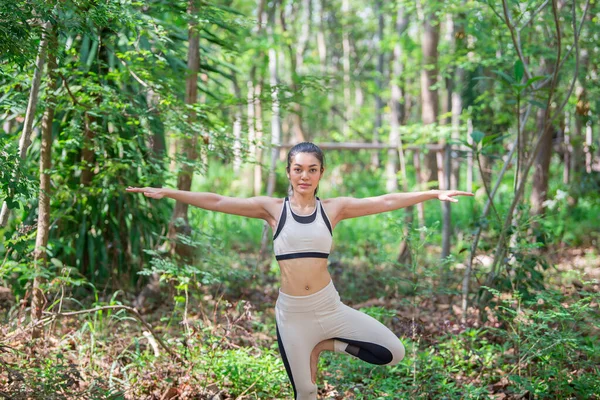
{"x": 304, "y": 321}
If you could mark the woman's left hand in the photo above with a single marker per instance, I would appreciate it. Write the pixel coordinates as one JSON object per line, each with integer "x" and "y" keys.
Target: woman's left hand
{"x": 448, "y": 195}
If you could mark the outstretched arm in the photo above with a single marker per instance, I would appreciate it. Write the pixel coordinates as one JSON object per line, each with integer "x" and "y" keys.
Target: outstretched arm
{"x": 341, "y": 208}
{"x": 254, "y": 207}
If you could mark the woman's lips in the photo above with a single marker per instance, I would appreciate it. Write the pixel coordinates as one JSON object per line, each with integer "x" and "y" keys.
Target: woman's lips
{"x": 303, "y": 185}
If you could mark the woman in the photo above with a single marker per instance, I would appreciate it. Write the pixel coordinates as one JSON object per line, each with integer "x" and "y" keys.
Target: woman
{"x": 309, "y": 316}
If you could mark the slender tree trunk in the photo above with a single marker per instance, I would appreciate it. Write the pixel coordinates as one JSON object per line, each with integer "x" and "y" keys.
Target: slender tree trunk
{"x": 396, "y": 104}
{"x": 541, "y": 167}
{"x": 43, "y": 225}
{"x": 258, "y": 167}
{"x": 237, "y": 127}
{"x": 429, "y": 92}
{"x": 179, "y": 224}
{"x": 25, "y": 140}
{"x": 379, "y": 81}
{"x": 296, "y": 61}
{"x": 179, "y": 220}
{"x": 275, "y": 120}
{"x": 567, "y": 149}
{"x": 346, "y": 66}
{"x": 321, "y": 41}
{"x": 7, "y": 126}
{"x": 251, "y": 118}
{"x": 397, "y": 118}
{"x": 275, "y": 130}
{"x": 456, "y": 100}
{"x": 157, "y": 140}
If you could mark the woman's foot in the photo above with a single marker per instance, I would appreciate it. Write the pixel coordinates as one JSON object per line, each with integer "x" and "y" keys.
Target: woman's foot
{"x": 325, "y": 345}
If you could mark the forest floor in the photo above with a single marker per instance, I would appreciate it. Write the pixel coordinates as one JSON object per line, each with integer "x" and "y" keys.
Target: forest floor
{"x": 109, "y": 355}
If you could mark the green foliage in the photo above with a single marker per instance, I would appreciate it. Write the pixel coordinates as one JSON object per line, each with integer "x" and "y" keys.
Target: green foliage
{"x": 16, "y": 187}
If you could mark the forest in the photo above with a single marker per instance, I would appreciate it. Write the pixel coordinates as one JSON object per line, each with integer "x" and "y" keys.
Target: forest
{"x": 106, "y": 294}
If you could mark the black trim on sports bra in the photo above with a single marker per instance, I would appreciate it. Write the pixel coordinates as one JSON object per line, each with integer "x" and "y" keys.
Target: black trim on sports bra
{"x": 311, "y": 254}
{"x": 325, "y": 217}
{"x": 304, "y": 219}
{"x": 281, "y": 222}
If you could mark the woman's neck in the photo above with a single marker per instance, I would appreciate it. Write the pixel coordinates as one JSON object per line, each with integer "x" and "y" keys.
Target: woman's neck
{"x": 303, "y": 201}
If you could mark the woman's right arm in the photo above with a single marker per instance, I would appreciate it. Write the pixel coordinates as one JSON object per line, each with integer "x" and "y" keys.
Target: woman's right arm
{"x": 262, "y": 207}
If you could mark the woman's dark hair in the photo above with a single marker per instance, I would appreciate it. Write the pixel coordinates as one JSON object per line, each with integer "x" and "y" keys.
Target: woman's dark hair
{"x": 305, "y": 147}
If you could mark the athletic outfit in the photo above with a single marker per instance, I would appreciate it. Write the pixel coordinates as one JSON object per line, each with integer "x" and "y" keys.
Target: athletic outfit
{"x": 304, "y": 321}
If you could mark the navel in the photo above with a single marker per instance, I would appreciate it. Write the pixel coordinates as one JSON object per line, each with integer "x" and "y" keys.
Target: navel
{"x": 307, "y": 288}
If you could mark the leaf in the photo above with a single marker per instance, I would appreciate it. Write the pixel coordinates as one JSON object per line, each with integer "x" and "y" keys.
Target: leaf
{"x": 477, "y": 136}
{"x": 519, "y": 70}
{"x": 506, "y": 77}
{"x": 530, "y": 81}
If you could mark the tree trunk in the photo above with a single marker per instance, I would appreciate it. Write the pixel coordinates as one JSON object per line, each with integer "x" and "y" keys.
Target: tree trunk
{"x": 237, "y": 127}
{"x": 179, "y": 221}
{"x": 346, "y": 66}
{"x": 321, "y": 41}
{"x": 275, "y": 131}
{"x": 429, "y": 92}
{"x": 541, "y": 167}
{"x": 297, "y": 61}
{"x": 378, "y": 82}
{"x": 397, "y": 118}
{"x": 396, "y": 105}
{"x": 25, "y": 140}
{"x": 43, "y": 225}
{"x": 258, "y": 167}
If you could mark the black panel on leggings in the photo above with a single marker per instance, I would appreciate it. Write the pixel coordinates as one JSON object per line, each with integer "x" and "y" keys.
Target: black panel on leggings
{"x": 369, "y": 352}
{"x": 288, "y": 369}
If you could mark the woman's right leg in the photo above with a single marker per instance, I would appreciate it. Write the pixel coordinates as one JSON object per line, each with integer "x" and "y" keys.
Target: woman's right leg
{"x": 297, "y": 335}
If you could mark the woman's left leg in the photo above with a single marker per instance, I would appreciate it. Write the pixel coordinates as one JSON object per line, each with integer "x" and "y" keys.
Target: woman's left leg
{"x": 362, "y": 336}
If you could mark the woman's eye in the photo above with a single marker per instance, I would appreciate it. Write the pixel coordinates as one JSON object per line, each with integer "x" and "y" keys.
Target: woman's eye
{"x": 313, "y": 170}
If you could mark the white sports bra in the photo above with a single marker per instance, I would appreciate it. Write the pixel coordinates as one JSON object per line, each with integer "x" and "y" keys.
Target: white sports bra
{"x": 299, "y": 236}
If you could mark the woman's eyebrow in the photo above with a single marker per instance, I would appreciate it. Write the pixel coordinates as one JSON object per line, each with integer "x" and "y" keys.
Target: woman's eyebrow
{"x": 300, "y": 165}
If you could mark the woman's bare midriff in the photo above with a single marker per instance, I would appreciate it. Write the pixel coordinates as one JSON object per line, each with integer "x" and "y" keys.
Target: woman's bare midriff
{"x": 303, "y": 276}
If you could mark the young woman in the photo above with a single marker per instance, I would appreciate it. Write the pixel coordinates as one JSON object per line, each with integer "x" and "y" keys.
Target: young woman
{"x": 310, "y": 318}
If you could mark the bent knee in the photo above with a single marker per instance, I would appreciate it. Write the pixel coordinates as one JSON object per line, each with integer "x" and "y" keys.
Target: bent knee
{"x": 398, "y": 353}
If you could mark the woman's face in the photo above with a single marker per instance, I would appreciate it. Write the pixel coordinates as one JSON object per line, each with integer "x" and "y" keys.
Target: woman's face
{"x": 305, "y": 173}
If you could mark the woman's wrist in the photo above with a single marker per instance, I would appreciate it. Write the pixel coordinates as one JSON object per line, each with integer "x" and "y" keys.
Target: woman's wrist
{"x": 167, "y": 192}
{"x": 435, "y": 193}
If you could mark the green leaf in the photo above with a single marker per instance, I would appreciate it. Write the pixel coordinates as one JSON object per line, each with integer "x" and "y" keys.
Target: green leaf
{"x": 506, "y": 77}
{"x": 477, "y": 136}
{"x": 530, "y": 81}
{"x": 519, "y": 70}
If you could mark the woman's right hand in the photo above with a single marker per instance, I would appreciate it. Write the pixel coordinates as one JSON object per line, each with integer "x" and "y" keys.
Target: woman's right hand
{"x": 155, "y": 193}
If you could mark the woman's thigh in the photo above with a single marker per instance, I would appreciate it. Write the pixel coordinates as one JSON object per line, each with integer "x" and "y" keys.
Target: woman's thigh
{"x": 368, "y": 338}
{"x": 297, "y": 335}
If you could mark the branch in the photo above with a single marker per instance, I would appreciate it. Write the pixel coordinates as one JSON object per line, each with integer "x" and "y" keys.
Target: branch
{"x": 486, "y": 209}
{"x": 516, "y": 37}
{"x": 544, "y": 83}
{"x": 576, "y": 45}
{"x": 536, "y": 12}
{"x": 68, "y": 89}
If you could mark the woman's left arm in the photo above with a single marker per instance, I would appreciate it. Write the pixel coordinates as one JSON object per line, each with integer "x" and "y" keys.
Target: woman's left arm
{"x": 341, "y": 208}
